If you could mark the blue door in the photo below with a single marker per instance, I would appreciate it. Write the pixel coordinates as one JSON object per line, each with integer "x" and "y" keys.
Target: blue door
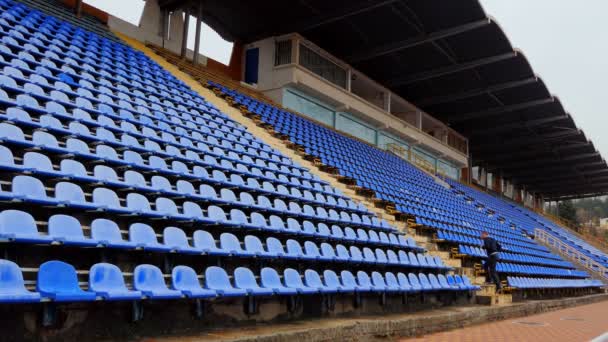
{"x": 252, "y": 59}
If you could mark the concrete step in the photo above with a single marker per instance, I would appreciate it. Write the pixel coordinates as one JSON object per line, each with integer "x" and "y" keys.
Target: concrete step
{"x": 494, "y": 300}
{"x": 478, "y": 280}
{"x": 421, "y": 238}
{"x": 487, "y": 290}
{"x": 452, "y": 262}
{"x": 443, "y": 254}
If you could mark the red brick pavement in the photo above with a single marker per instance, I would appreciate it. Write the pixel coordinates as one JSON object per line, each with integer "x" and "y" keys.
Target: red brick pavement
{"x": 582, "y": 323}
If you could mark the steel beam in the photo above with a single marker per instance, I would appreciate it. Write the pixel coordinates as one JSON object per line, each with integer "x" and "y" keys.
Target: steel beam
{"x": 475, "y": 92}
{"x": 382, "y": 50}
{"x": 499, "y": 110}
{"x": 482, "y": 130}
{"x": 314, "y": 22}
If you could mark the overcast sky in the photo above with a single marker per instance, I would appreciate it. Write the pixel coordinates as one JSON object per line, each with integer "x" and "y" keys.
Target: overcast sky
{"x": 564, "y": 40}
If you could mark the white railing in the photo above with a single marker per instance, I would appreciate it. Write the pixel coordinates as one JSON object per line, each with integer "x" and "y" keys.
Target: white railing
{"x": 571, "y": 253}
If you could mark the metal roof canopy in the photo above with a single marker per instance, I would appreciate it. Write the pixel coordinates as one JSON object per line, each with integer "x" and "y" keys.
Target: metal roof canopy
{"x": 451, "y": 60}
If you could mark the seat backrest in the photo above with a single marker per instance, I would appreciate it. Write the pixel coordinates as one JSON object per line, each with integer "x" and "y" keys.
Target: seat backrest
{"x": 184, "y": 278}
{"x": 391, "y": 279}
{"x": 274, "y": 246}
{"x": 363, "y": 279}
{"x": 106, "y": 197}
{"x": 294, "y": 247}
{"x": 424, "y": 281}
{"x": 330, "y": 278}
{"x": 29, "y": 186}
{"x": 292, "y": 278}
{"x": 148, "y": 277}
{"x": 434, "y": 281}
{"x": 311, "y": 249}
{"x": 270, "y": 278}
{"x": 216, "y": 213}
{"x": 175, "y": 237}
{"x": 38, "y": 161}
{"x": 65, "y": 191}
{"x": 244, "y": 278}
{"x": 253, "y": 244}
{"x": 230, "y": 242}
{"x": 17, "y": 222}
{"x": 312, "y": 279}
{"x": 106, "y": 277}
{"x": 11, "y": 278}
{"x": 143, "y": 234}
{"x": 412, "y": 258}
{"x": 203, "y": 239}
{"x": 414, "y": 281}
{"x": 403, "y": 281}
{"x": 348, "y": 279}
{"x": 106, "y": 230}
{"x": 57, "y": 276}
{"x": 276, "y": 222}
{"x": 216, "y": 278}
{"x": 138, "y": 202}
{"x": 65, "y": 226}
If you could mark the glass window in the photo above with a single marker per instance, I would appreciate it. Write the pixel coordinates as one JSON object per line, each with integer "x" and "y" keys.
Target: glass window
{"x": 322, "y": 66}
{"x": 282, "y": 52}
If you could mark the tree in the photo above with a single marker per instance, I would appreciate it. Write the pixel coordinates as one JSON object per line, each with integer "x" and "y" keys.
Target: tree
{"x": 567, "y": 211}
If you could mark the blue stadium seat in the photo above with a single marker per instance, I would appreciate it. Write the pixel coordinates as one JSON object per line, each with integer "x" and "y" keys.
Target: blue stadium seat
{"x": 184, "y": 279}
{"x": 270, "y": 279}
{"x": 58, "y": 281}
{"x": 107, "y": 233}
{"x": 149, "y": 280}
{"x": 293, "y": 280}
{"x": 245, "y": 279}
{"x": 107, "y": 281}
{"x": 67, "y": 230}
{"x": 19, "y": 226}
{"x": 12, "y": 286}
{"x": 217, "y": 279}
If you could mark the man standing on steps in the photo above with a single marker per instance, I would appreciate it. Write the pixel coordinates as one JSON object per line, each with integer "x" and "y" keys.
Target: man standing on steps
{"x": 492, "y": 247}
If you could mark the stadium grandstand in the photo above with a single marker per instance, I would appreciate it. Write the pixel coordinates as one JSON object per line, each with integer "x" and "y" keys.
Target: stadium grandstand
{"x": 337, "y": 177}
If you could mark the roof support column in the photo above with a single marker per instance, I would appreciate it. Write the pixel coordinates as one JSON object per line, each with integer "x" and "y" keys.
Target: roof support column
{"x": 78, "y": 8}
{"x": 185, "y": 32}
{"x": 197, "y": 35}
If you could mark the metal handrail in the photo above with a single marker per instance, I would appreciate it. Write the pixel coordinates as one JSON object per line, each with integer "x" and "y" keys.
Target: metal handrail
{"x": 569, "y": 252}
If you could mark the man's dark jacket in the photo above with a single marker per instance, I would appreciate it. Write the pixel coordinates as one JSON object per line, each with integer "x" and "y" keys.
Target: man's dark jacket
{"x": 492, "y": 246}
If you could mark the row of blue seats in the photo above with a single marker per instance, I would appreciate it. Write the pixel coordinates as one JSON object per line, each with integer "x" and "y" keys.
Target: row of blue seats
{"x": 58, "y": 281}
{"x": 41, "y": 164}
{"x": 56, "y": 135}
{"x": 19, "y": 226}
{"x": 502, "y": 237}
{"x": 77, "y": 109}
{"x": 76, "y": 41}
{"x": 506, "y": 256}
{"x": 32, "y": 190}
{"x": 84, "y": 96}
{"x": 456, "y": 238}
{"x": 551, "y": 283}
{"x": 538, "y": 270}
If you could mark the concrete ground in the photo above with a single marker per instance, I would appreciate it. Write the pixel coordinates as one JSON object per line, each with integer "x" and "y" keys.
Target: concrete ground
{"x": 581, "y": 323}
{"x": 582, "y": 319}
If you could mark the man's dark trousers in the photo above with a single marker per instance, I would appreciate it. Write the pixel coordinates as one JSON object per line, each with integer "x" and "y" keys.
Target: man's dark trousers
{"x": 492, "y": 259}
